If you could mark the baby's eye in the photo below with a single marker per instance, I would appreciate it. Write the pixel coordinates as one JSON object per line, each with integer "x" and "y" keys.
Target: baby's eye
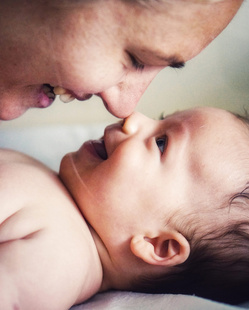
{"x": 162, "y": 143}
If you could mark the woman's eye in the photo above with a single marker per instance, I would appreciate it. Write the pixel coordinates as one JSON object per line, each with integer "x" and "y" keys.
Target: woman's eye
{"x": 135, "y": 63}
{"x": 162, "y": 143}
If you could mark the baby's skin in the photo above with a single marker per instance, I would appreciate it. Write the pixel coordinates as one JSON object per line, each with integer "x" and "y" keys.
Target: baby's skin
{"x": 48, "y": 259}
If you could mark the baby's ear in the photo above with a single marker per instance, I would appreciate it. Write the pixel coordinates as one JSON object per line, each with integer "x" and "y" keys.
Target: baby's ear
{"x": 167, "y": 249}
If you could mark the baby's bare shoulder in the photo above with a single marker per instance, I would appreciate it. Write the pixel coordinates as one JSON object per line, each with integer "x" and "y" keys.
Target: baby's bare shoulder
{"x": 20, "y": 179}
{"x": 43, "y": 237}
{"x": 11, "y": 156}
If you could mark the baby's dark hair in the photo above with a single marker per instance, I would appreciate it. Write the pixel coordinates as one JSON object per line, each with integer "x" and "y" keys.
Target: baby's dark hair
{"x": 218, "y": 265}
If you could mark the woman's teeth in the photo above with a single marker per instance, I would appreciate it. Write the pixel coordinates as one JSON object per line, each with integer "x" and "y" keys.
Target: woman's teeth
{"x": 65, "y": 96}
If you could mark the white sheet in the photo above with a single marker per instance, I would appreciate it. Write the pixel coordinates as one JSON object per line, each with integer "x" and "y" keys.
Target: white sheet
{"x": 49, "y": 144}
{"x": 136, "y": 301}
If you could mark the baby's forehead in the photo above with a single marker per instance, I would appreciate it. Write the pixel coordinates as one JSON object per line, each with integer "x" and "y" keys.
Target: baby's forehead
{"x": 200, "y": 117}
{"x": 221, "y": 148}
{"x": 214, "y": 116}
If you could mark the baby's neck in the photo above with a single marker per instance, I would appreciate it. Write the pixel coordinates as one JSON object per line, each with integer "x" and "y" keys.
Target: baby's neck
{"x": 113, "y": 276}
{"x": 93, "y": 278}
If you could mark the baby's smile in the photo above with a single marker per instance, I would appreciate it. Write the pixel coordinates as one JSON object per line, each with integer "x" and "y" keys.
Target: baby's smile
{"x": 99, "y": 146}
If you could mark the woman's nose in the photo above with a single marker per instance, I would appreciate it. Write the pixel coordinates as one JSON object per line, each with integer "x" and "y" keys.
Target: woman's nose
{"x": 121, "y": 99}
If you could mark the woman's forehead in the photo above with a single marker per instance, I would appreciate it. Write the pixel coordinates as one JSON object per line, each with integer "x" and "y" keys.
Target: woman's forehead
{"x": 140, "y": 21}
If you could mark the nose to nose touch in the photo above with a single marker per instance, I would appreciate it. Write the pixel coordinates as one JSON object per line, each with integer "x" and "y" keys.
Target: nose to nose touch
{"x": 131, "y": 124}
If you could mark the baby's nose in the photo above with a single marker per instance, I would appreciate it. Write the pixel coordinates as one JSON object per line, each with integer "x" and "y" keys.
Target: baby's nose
{"x": 132, "y": 123}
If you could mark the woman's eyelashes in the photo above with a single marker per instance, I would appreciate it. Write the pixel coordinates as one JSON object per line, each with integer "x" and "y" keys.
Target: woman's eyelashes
{"x": 135, "y": 63}
{"x": 162, "y": 143}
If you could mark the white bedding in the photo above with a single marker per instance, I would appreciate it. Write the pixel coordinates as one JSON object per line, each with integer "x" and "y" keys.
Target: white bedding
{"x": 49, "y": 144}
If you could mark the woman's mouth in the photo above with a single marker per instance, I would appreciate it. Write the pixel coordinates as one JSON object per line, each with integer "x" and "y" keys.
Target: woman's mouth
{"x": 64, "y": 95}
{"x": 16, "y": 100}
{"x": 46, "y": 96}
{"x": 67, "y": 96}
{"x": 51, "y": 91}
{"x": 48, "y": 91}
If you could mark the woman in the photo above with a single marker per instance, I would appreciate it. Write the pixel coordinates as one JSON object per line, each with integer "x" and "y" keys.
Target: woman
{"x": 112, "y": 48}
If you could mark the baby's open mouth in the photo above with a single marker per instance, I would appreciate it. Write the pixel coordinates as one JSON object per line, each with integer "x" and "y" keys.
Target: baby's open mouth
{"x": 99, "y": 146}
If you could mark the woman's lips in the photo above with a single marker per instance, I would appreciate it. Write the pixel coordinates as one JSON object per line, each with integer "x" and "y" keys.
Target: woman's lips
{"x": 46, "y": 96}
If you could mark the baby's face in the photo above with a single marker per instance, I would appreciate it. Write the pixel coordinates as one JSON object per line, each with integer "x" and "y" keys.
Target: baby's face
{"x": 112, "y": 49}
{"x": 144, "y": 170}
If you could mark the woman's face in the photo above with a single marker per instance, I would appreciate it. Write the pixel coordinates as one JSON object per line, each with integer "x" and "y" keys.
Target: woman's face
{"x": 112, "y": 49}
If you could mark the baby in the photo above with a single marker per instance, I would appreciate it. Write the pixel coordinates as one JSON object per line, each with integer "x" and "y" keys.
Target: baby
{"x": 153, "y": 206}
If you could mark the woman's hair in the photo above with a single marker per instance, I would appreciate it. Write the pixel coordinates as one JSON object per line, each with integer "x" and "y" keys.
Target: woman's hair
{"x": 218, "y": 265}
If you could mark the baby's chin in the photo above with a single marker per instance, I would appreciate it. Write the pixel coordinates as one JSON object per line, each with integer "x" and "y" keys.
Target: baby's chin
{"x": 70, "y": 177}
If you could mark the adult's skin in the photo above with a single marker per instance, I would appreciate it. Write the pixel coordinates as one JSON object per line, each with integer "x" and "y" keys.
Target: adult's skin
{"x": 110, "y": 48}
